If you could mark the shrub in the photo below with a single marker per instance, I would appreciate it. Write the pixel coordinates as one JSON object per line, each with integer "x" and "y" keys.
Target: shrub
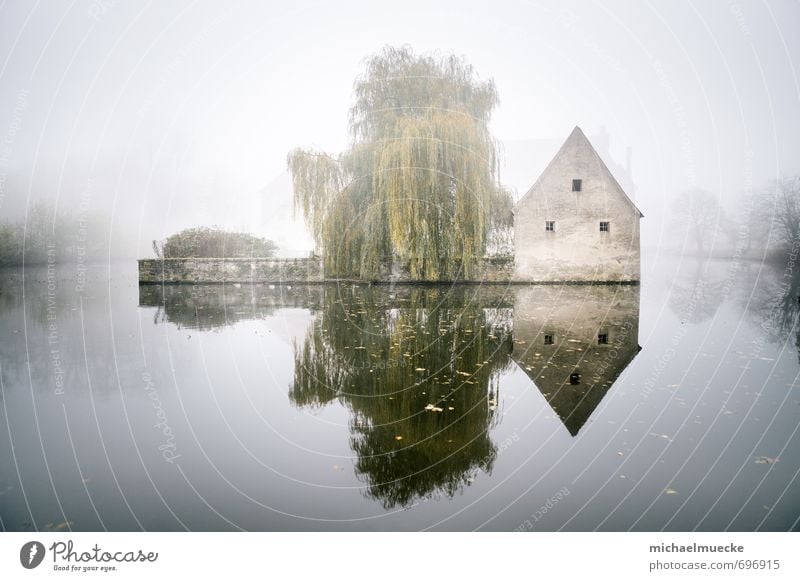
{"x": 214, "y": 242}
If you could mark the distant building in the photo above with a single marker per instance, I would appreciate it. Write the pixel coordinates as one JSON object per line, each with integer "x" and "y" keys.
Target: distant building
{"x": 576, "y": 223}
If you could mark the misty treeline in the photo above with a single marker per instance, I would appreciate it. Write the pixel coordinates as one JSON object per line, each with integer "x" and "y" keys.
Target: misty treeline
{"x": 214, "y": 242}
{"x": 50, "y": 234}
{"x": 764, "y": 225}
{"x": 764, "y": 229}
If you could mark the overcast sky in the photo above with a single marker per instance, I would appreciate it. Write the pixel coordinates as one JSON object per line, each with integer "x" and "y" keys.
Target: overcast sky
{"x": 174, "y": 113}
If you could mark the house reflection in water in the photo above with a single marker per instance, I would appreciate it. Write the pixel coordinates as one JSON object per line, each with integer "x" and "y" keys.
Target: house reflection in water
{"x": 574, "y": 342}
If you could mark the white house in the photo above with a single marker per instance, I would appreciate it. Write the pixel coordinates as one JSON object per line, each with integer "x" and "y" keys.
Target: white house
{"x": 576, "y": 223}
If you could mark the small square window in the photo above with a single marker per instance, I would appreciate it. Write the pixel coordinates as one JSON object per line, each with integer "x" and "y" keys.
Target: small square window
{"x": 605, "y": 226}
{"x": 548, "y": 339}
{"x": 575, "y": 378}
{"x": 576, "y": 185}
{"x": 549, "y": 226}
{"x": 602, "y": 338}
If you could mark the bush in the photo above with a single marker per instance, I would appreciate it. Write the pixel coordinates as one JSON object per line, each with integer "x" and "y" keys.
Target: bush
{"x": 215, "y": 242}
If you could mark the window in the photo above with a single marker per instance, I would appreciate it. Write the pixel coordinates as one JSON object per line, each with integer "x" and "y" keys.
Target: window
{"x": 602, "y": 338}
{"x": 605, "y": 226}
{"x": 548, "y": 339}
{"x": 575, "y": 378}
{"x": 576, "y": 185}
{"x": 549, "y": 226}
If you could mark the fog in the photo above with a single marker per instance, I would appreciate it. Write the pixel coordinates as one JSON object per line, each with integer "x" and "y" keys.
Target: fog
{"x": 159, "y": 117}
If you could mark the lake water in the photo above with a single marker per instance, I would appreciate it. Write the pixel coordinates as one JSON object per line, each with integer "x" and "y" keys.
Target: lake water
{"x": 673, "y": 405}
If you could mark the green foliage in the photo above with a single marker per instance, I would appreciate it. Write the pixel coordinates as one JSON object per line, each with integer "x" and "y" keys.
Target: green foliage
{"x": 214, "y": 242}
{"x": 419, "y": 373}
{"x": 419, "y": 182}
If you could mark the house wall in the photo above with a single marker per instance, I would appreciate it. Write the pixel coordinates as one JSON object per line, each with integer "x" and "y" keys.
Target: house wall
{"x": 577, "y": 250}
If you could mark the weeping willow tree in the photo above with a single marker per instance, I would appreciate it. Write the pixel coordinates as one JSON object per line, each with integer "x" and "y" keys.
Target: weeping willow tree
{"x": 419, "y": 373}
{"x": 419, "y": 182}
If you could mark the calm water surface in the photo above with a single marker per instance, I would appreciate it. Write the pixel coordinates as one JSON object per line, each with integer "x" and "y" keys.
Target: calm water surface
{"x": 673, "y": 405}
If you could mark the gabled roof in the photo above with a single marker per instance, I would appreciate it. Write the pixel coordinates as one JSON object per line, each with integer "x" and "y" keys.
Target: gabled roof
{"x": 574, "y": 404}
{"x": 578, "y": 136}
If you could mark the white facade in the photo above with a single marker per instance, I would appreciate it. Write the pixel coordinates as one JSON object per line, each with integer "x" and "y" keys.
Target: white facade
{"x": 576, "y": 224}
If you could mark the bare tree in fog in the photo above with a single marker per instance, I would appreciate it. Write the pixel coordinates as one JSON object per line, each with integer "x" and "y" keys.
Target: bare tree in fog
{"x": 697, "y": 297}
{"x": 777, "y": 207}
{"x": 774, "y": 223}
{"x": 700, "y": 213}
{"x": 49, "y": 234}
{"x": 785, "y": 194}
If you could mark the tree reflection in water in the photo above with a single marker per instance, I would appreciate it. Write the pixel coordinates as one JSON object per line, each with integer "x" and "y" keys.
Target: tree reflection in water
{"x": 418, "y": 368}
{"x": 777, "y": 304}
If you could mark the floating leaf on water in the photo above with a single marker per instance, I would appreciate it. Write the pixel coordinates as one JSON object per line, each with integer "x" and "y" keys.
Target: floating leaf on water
{"x": 61, "y": 526}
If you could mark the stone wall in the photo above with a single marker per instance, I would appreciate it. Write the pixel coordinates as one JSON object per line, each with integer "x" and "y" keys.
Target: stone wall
{"x": 280, "y": 271}
{"x": 239, "y": 270}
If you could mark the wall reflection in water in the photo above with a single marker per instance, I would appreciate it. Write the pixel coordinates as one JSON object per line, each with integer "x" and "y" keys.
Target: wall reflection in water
{"x": 419, "y": 367}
